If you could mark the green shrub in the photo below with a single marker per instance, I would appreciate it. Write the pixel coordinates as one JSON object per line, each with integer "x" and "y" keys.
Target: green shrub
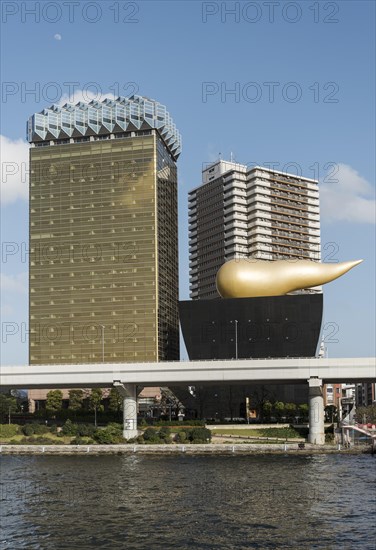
{"x": 9, "y": 430}
{"x": 165, "y": 431}
{"x": 112, "y": 434}
{"x": 40, "y": 429}
{"x": 85, "y": 430}
{"x": 165, "y": 434}
{"x": 115, "y": 428}
{"x": 202, "y": 435}
{"x": 151, "y": 436}
{"x": 118, "y": 438}
{"x": 180, "y": 437}
{"x": 140, "y": 440}
{"x": 150, "y": 433}
{"x": 116, "y": 431}
{"x": 78, "y": 441}
{"x": 69, "y": 428}
{"x": 174, "y": 423}
{"x": 28, "y": 429}
{"x": 104, "y": 437}
{"x": 53, "y": 429}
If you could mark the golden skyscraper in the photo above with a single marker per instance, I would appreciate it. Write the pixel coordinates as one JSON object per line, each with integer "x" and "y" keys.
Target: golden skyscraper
{"x": 103, "y": 233}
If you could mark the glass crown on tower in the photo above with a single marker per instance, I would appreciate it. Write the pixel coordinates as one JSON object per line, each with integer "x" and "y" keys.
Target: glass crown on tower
{"x": 110, "y": 116}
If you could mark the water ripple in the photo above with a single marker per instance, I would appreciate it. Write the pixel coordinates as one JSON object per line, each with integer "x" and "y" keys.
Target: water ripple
{"x": 153, "y": 502}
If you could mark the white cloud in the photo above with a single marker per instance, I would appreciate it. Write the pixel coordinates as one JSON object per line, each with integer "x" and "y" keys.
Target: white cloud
{"x": 14, "y": 283}
{"x": 350, "y": 200}
{"x": 57, "y": 36}
{"x": 15, "y": 154}
{"x": 14, "y": 169}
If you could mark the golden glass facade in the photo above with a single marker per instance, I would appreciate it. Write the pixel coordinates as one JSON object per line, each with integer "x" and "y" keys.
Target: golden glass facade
{"x": 103, "y": 251}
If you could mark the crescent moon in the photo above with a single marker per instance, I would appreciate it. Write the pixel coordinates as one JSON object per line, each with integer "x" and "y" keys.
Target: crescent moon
{"x": 242, "y": 278}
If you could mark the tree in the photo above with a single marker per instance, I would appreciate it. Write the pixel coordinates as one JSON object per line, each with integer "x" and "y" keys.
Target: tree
{"x": 8, "y": 405}
{"x": 258, "y": 397}
{"x": 54, "y": 401}
{"x": 331, "y": 413}
{"x": 115, "y": 401}
{"x": 95, "y": 402}
{"x": 279, "y": 408}
{"x": 365, "y": 415}
{"x": 267, "y": 410}
{"x": 169, "y": 403}
{"x": 303, "y": 411}
{"x": 75, "y": 400}
{"x": 290, "y": 409}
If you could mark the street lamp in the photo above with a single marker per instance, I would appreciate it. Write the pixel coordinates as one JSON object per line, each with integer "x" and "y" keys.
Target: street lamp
{"x": 103, "y": 327}
{"x": 236, "y": 338}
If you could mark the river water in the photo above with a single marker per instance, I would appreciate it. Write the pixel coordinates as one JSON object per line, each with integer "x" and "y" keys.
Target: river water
{"x": 198, "y": 502}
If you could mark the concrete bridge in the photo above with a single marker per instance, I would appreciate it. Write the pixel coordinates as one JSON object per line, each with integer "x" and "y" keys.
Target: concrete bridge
{"x": 127, "y": 376}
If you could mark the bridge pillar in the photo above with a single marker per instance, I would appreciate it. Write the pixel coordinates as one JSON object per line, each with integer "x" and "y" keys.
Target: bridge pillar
{"x": 316, "y": 412}
{"x": 129, "y": 395}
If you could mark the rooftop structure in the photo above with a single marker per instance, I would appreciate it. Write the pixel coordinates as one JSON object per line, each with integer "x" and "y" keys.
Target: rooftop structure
{"x": 102, "y": 118}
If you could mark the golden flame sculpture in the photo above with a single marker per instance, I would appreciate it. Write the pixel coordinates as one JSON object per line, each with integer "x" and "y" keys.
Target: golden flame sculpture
{"x": 242, "y": 278}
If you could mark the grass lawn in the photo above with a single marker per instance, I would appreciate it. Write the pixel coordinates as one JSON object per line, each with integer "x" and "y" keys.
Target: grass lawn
{"x": 250, "y": 442}
{"x": 65, "y": 440}
{"x": 263, "y": 432}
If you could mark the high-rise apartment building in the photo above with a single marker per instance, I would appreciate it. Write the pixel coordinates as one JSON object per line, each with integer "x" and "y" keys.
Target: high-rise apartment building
{"x": 249, "y": 212}
{"x": 103, "y": 233}
{"x": 365, "y": 394}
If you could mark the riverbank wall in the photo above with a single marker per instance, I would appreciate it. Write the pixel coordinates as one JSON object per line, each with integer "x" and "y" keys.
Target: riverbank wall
{"x": 206, "y": 449}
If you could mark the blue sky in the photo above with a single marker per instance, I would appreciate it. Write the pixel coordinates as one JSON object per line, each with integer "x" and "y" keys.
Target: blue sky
{"x": 317, "y": 58}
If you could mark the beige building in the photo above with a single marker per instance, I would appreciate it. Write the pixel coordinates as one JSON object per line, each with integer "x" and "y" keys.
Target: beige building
{"x": 253, "y": 213}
